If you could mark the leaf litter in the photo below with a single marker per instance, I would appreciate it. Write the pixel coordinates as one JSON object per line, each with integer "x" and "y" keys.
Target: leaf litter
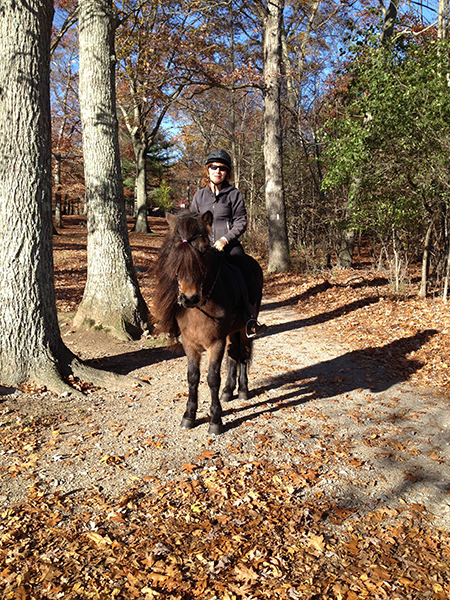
{"x": 331, "y": 482}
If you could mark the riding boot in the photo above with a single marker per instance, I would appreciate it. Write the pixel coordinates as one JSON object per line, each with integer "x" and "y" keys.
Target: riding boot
{"x": 253, "y": 328}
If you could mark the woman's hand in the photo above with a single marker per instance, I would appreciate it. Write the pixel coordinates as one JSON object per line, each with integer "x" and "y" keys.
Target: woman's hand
{"x": 220, "y": 244}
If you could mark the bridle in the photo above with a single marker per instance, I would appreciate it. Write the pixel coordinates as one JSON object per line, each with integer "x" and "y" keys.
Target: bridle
{"x": 208, "y": 295}
{"x": 192, "y": 239}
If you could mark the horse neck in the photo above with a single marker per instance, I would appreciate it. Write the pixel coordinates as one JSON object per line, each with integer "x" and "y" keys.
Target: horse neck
{"x": 213, "y": 263}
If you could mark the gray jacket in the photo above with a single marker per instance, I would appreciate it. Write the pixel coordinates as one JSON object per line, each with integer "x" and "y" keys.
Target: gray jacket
{"x": 228, "y": 209}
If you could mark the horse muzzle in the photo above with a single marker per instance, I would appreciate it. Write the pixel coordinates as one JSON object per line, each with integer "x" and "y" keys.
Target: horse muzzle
{"x": 188, "y": 301}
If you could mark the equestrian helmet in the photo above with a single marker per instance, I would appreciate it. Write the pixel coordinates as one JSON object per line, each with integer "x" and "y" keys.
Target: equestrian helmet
{"x": 220, "y": 156}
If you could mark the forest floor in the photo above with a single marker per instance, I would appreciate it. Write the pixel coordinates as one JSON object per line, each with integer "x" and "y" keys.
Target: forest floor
{"x": 331, "y": 482}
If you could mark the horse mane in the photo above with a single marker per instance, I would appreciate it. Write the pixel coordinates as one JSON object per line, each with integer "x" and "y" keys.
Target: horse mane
{"x": 176, "y": 258}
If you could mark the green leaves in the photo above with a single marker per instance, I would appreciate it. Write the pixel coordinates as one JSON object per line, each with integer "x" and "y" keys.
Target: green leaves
{"x": 391, "y": 133}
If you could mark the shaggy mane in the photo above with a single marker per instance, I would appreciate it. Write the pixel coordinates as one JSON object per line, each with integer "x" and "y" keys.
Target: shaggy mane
{"x": 176, "y": 258}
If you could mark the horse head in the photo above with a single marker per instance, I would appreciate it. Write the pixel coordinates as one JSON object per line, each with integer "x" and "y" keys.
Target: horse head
{"x": 190, "y": 239}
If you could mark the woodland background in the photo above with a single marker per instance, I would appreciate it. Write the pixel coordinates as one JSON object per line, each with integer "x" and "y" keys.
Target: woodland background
{"x": 336, "y": 116}
{"x": 364, "y": 105}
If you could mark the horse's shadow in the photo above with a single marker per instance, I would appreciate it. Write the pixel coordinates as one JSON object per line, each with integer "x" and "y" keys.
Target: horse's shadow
{"x": 360, "y": 369}
{"x": 126, "y": 363}
{"x": 356, "y": 370}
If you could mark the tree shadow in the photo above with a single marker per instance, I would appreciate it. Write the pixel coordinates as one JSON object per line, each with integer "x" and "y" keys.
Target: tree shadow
{"x": 352, "y": 371}
{"x": 6, "y": 391}
{"x": 312, "y": 291}
{"x": 124, "y": 364}
{"x": 323, "y": 287}
{"x": 322, "y": 318}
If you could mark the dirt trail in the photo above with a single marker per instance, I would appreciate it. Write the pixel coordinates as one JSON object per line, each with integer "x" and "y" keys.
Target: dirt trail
{"x": 361, "y": 437}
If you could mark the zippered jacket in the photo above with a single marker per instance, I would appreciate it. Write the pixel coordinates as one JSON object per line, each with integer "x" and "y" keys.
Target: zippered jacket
{"x": 228, "y": 209}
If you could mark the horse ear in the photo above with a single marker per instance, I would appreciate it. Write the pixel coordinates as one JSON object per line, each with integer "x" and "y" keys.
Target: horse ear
{"x": 207, "y": 219}
{"x": 172, "y": 220}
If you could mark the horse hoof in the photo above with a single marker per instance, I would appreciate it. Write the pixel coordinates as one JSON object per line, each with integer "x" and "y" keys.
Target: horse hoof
{"x": 243, "y": 396}
{"x": 226, "y": 397}
{"x": 215, "y": 428}
{"x": 187, "y": 423}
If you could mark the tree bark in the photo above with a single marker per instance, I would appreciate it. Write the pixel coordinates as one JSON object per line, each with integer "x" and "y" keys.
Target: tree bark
{"x": 31, "y": 348}
{"x": 29, "y": 332}
{"x": 140, "y": 142}
{"x": 279, "y": 258}
{"x": 140, "y": 150}
{"x": 112, "y": 298}
{"x": 346, "y": 244}
{"x": 57, "y": 181}
{"x": 390, "y": 17}
{"x": 443, "y": 19}
{"x": 426, "y": 260}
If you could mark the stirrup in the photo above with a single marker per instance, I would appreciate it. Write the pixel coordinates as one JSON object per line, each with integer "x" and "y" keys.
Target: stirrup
{"x": 253, "y": 328}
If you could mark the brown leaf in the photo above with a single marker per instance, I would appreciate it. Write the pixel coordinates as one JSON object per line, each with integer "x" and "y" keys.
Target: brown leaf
{"x": 20, "y": 593}
{"x": 207, "y": 455}
{"x": 316, "y": 542}
{"x": 189, "y": 468}
{"x": 98, "y": 539}
{"x": 245, "y": 573}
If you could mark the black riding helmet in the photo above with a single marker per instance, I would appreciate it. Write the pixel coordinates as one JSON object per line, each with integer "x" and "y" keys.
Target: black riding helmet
{"x": 220, "y": 156}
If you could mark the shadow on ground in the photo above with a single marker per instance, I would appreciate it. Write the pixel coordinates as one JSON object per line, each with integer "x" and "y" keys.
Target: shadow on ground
{"x": 343, "y": 374}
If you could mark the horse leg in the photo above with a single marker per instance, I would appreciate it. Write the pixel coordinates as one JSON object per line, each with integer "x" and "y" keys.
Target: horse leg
{"x": 243, "y": 382}
{"x": 215, "y": 355}
{"x": 188, "y": 420}
{"x": 232, "y": 364}
{"x": 230, "y": 384}
{"x": 245, "y": 352}
{"x": 232, "y": 368}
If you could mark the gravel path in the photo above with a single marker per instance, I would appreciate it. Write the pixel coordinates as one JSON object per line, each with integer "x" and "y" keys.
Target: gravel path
{"x": 358, "y": 436}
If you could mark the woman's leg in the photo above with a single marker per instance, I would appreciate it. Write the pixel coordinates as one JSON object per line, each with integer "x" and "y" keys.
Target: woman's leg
{"x": 239, "y": 258}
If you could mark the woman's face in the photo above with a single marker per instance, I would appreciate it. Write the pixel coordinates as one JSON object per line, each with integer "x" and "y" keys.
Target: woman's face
{"x": 217, "y": 173}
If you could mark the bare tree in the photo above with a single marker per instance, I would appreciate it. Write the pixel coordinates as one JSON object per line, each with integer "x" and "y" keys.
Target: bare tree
{"x": 31, "y": 348}
{"x": 112, "y": 298}
{"x": 271, "y": 16}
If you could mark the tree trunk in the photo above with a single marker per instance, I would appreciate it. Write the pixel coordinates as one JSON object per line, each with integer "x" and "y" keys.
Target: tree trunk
{"x": 31, "y": 348}
{"x": 447, "y": 277}
{"x": 345, "y": 249}
{"x": 390, "y": 17}
{"x": 29, "y": 332}
{"x": 140, "y": 142}
{"x": 140, "y": 151}
{"x": 57, "y": 182}
{"x": 443, "y": 19}
{"x": 346, "y": 239}
{"x": 426, "y": 261}
{"x": 279, "y": 258}
{"x": 112, "y": 298}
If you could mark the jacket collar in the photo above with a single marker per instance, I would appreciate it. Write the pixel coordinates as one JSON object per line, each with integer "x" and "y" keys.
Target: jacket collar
{"x": 224, "y": 189}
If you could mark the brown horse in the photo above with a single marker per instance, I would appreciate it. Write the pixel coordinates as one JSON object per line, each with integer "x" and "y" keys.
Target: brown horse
{"x": 200, "y": 296}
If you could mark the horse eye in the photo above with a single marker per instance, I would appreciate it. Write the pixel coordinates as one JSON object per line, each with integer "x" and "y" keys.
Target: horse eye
{"x": 201, "y": 244}
{"x": 204, "y": 244}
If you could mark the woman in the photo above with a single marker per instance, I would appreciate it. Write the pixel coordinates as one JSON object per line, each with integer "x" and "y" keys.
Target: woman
{"x": 229, "y": 218}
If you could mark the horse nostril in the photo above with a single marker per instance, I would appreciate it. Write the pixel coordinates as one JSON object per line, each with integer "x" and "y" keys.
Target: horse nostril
{"x": 192, "y": 301}
{"x": 188, "y": 301}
